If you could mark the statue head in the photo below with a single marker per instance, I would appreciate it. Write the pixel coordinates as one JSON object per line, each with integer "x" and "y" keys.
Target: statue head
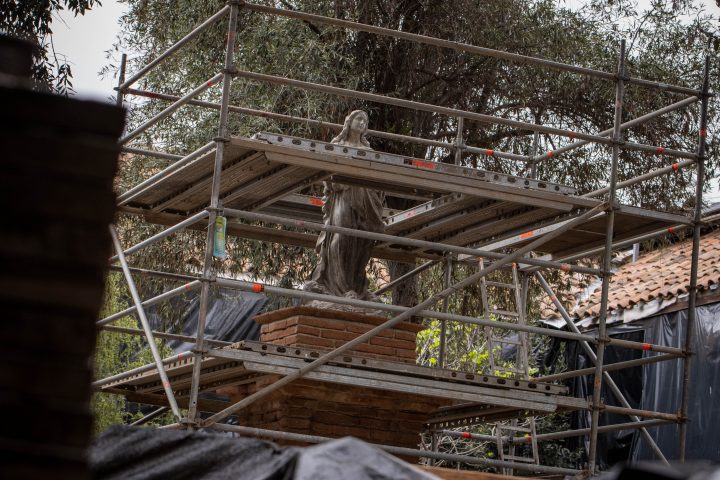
{"x": 354, "y": 130}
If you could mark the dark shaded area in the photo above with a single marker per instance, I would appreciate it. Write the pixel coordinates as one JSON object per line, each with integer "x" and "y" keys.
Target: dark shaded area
{"x": 657, "y": 387}
{"x": 59, "y": 160}
{"x": 229, "y": 318}
{"x": 142, "y": 453}
{"x": 662, "y": 385}
{"x": 658, "y": 471}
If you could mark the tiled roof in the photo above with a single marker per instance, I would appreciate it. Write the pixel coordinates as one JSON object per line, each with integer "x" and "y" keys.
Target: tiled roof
{"x": 658, "y": 275}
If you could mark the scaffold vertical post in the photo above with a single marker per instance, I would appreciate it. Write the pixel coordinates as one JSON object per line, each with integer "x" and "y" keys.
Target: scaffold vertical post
{"x": 121, "y": 79}
{"x": 692, "y": 300}
{"x": 445, "y": 306}
{"x": 607, "y": 264}
{"x": 459, "y": 144}
{"x": 213, "y": 210}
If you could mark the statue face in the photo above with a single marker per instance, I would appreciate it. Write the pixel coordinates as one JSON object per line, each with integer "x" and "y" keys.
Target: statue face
{"x": 359, "y": 124}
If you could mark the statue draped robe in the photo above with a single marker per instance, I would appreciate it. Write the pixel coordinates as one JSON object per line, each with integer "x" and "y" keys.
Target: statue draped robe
{"x": 344, "y": 258}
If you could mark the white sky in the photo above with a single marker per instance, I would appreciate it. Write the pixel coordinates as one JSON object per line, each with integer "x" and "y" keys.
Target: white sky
{"x": 84, "y": 40}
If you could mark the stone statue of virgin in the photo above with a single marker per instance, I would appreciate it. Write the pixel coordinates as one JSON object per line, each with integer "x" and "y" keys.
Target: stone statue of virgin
{"x": 343, "y": 258}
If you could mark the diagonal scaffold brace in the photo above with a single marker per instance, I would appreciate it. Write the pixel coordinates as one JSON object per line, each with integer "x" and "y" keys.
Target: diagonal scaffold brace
{"x": 434, "y": 299}
{"x": 146, "y": 326}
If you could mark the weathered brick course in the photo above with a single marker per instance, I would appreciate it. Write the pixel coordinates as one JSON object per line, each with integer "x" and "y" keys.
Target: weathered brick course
{"x": 333, "y": 410}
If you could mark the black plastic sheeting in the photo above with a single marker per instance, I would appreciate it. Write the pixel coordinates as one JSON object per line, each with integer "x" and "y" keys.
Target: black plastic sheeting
{"x": 230, "y": 316}
{"x": 123, "y": 452}
{"x": 658, "y": 387}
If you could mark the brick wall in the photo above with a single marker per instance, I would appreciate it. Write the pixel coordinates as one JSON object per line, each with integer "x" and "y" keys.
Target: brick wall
{"x": 327, "y": 329}
{"x": 334, "y": 410}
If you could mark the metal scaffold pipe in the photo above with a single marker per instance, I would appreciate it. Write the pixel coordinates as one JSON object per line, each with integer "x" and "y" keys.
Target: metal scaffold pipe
{"x": 189, "y": 287}
{"x": 175, "y": 47}
{"x": 170, "y": 109}
{"x": 399, "y": 318}
{"x": 463, "y": 47}
{"x": 299, "y": 437}
{"x": 624, "y": 126}
{"x": 220, "y": 141}
{"x": 411, "y": 242}
{"x": 164, "y": 234}
{"x": 692, "y": 290}
{"x": 303, "y": 295}
{"x": 334, "y": 126}
{"x": 607, "y": 260}
{"x": 426, "y": 107}
{"x": 603, "y": 368}
{"x": 146, "y": 327}
{"x": 164, "y": 335}
{"x": 612, "y": 367}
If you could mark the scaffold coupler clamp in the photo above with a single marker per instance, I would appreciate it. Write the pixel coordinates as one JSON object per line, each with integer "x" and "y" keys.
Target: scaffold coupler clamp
{"x": 187, "y": 422}
{"x": 681, "y": 417}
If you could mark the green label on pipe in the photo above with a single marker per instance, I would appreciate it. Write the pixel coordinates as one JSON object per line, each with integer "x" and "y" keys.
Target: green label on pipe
{"x": 219, "y": 237}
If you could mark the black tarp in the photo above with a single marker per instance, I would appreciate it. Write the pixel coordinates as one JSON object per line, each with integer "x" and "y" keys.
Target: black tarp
{"x": 657, "y": 387}
{"x": 123, "y": 452}
{"x": 230, "y": 316}
{"x": 662, "y": 382}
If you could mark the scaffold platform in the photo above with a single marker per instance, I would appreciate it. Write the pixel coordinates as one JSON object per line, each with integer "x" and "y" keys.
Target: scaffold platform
{"x": 454, "y": 205}
{"x": 244, "y": 361}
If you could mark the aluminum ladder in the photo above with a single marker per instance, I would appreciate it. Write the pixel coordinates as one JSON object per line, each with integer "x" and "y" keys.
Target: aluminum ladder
{"x": 513, "y": 311}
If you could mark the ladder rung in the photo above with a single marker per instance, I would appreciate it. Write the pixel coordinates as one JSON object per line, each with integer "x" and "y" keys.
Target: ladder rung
{"x": 519, "y": 459}
{"x": 500, "y": 284}
{"x": 505, "y": 313}
{"x": 515, "y": 429}
{"x": 507, "y": 341}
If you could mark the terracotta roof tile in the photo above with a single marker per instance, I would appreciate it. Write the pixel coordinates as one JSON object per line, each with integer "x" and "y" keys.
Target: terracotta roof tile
{"x": 662, "y": 274}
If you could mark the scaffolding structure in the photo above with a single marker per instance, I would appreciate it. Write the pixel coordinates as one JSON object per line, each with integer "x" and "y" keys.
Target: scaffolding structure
{"x": 467, "y": 213}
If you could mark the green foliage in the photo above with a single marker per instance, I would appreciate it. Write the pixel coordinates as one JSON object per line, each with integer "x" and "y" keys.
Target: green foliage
{"x": 32, "y": 20}
{"x": 115, "y": 353}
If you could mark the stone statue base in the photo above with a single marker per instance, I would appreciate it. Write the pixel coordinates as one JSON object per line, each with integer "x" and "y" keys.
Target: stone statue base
{"x": 315, "y": 287}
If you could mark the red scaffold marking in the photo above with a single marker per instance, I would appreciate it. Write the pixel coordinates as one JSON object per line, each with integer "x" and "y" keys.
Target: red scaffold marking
{"x": 572, "y": 135}
{"x": 660, "y": 150}
{"x": 317, "y": 201}
{"x": 675, "y": 166}
{"x": 646, "y": 346}
{"x": 489, "y": 152}
{"x": 565, "y": 267}
{"x": 188, "y": 287}
{"x": 671, "y": 230}
{"x": 703, "y": 132}
{"x": 258, "y": 287}
{"x": 466, "y": 434}
{"x": 553, "y": 298}
{"x": 550, "y": 153}
{"x": 527, "y": 234}
{"x": 421, "y": 164}
{"x": 210, "y": 83}
{"x": 166, "y": 384}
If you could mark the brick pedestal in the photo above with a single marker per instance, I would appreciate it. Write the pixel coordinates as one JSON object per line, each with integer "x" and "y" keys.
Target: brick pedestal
{"x": 334, "y": 410}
